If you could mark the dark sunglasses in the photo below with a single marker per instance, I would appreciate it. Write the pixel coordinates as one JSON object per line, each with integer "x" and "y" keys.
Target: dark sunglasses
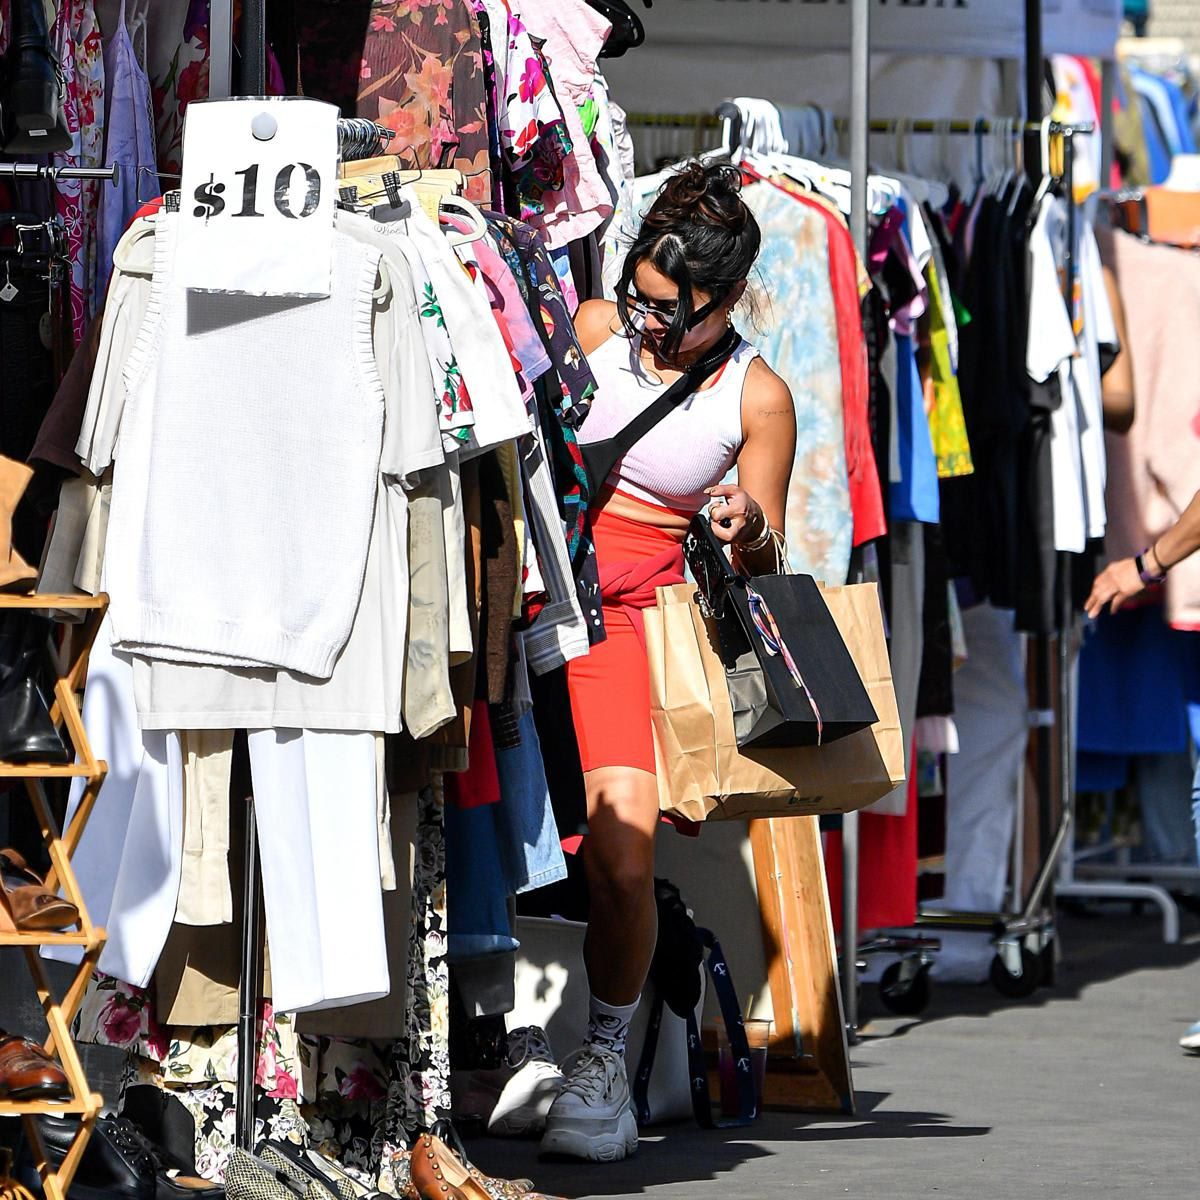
{"x": 666, "y": 310}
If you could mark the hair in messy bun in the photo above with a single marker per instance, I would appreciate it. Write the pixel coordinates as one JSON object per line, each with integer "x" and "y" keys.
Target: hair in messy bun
{"x": 700, "y": 235}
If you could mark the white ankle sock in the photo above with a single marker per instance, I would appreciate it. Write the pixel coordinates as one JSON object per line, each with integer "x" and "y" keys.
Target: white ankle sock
{"x": 608, "y": 1025}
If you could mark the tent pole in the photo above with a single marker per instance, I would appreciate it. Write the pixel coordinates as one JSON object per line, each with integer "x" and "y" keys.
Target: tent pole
{"x": 1034, "y": 110}
{"x": 860, "y": 115}
{"x": 1033, "y": 60}
{"x": 220, "y": 39}
{"x": 253, "y": 46}
{"x": 1108, "y": 146}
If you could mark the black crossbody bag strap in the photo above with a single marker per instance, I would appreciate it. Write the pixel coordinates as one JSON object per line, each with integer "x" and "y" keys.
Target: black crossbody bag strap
{"x": 599, "y": 458}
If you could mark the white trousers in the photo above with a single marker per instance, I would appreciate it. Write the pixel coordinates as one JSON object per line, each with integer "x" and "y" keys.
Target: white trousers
{"x": 318, "y": 842}
{"x": 317, "y": 814}
{"x": 129, "y": 860}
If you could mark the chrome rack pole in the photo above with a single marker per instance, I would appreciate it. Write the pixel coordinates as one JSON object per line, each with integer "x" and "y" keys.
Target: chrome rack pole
{"x": 253, "y": 81}
{"x": 1066, "y": 717}
{"x": 1041, "y": 650}
{"x": 39, "y": 171}
{"x": 860, "y": 115}
{"x": 977, "y": 126}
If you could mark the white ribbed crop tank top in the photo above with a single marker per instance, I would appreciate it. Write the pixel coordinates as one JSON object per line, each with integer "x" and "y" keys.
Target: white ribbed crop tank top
{"x": 691, "y": 449}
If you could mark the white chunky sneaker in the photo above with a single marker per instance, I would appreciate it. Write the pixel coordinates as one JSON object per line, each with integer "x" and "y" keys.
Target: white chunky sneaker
{"x": 591, "y": 1119}
{"x": 1191, "y": 1040}
{"x": 532, "y": 1087}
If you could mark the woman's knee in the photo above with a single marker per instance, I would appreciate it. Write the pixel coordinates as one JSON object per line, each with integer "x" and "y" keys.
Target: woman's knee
{"x": 620, "y": 882}
{"x": 619, "y": 870}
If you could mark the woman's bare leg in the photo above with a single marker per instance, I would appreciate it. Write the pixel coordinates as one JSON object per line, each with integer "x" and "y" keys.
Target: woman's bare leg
{"x": 618, "y": 856}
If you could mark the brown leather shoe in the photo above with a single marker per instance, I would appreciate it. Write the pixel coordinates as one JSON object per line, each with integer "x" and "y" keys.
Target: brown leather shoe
{"x": 26, "y": 904}
{"x": 27, "y": 1072}
{"x": 439, "y": 1174}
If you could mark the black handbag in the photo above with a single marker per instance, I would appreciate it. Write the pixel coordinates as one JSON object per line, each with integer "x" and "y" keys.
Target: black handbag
{"x": 792, "y": 681}
{"x": 599, "y": 458}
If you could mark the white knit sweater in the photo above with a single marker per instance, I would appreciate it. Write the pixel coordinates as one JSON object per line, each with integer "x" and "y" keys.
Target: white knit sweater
{"x": 246, "y": 471}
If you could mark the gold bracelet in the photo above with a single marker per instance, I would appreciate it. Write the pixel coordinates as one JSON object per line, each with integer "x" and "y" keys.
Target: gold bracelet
{"x": 761, "y": 542}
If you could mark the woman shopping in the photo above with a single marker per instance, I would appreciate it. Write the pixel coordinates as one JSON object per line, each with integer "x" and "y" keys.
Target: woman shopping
{"x": 685, "y": 273}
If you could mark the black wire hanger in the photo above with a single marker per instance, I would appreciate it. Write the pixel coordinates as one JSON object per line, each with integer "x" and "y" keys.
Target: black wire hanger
{"x": 628, "y": 32}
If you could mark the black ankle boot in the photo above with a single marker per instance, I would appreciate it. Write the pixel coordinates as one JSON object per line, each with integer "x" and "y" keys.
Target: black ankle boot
{"x": 27, "y": 734}
{"x": 33, "y": 108}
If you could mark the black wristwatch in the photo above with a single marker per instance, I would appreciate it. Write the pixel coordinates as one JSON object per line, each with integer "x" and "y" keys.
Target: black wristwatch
{"x": 1144, "y": 575}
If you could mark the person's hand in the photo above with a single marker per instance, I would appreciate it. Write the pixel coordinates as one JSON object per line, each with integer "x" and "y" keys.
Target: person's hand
{"x": 1117, "y": 584}
{"x": 734, "y": 514}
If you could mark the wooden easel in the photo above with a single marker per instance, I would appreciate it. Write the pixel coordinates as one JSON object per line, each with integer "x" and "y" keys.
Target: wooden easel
{"x": 61, "y": 845}
{"x": 809, "y": 1063}
{"x": 770, "y": 874}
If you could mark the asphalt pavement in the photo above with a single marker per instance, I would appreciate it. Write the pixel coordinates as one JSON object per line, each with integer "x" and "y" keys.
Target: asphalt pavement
{"x": 1080, "y": 1092}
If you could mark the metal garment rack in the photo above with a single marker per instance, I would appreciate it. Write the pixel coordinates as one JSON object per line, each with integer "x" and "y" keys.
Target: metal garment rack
{"x": 1037, "y": 915}
{"x": 1034, "y": 917}
{"x": 860, "y": 231}
{"x": 252, "y": 78}
{"x": 1025, "y": 938}
{"x": 20, "y": 170}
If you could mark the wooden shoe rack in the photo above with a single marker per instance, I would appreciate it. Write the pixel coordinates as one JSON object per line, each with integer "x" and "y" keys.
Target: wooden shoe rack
{"x": 61, "y": 845}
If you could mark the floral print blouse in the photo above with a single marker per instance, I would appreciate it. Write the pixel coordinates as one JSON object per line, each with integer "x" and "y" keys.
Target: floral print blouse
{"x": 417, "y": 69}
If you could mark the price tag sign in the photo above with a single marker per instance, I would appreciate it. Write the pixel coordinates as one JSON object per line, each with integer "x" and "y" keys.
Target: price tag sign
{"x": 258, "y": 197}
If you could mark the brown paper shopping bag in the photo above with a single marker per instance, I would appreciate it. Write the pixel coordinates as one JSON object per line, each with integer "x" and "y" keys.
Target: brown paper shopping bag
{"x": 702, "y": 776}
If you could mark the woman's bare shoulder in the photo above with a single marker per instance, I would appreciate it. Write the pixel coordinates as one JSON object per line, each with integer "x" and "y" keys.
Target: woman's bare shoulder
{"x": 766, "y": 398}
{"x": 595, "y": 322}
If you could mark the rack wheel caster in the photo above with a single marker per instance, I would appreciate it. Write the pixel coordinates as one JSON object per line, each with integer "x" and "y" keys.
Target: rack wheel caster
{"x": 905, "y": 988}
{"x": 1011, "y": 984}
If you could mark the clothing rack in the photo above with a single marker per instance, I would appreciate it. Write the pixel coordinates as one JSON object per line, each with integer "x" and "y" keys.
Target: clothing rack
{"x": 1035, "y": 916}
{"x": 1033, "y": 921}
{"x": 981, "y": 125}
{"x": 355, "y": 142}
{"x": 38, "y": 171}
{"x": 1116, "y": 881}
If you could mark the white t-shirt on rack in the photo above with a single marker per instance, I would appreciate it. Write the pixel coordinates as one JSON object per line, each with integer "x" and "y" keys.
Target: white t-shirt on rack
{"x": 1069, "y": 344}
{"x": 1051, "y": 352}
{"x": 1099, "y": 333}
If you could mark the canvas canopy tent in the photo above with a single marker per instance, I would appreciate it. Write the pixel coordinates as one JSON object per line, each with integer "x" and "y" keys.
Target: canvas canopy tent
{"x": 949, "y": 28}
{"x": 930, "y": 58}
